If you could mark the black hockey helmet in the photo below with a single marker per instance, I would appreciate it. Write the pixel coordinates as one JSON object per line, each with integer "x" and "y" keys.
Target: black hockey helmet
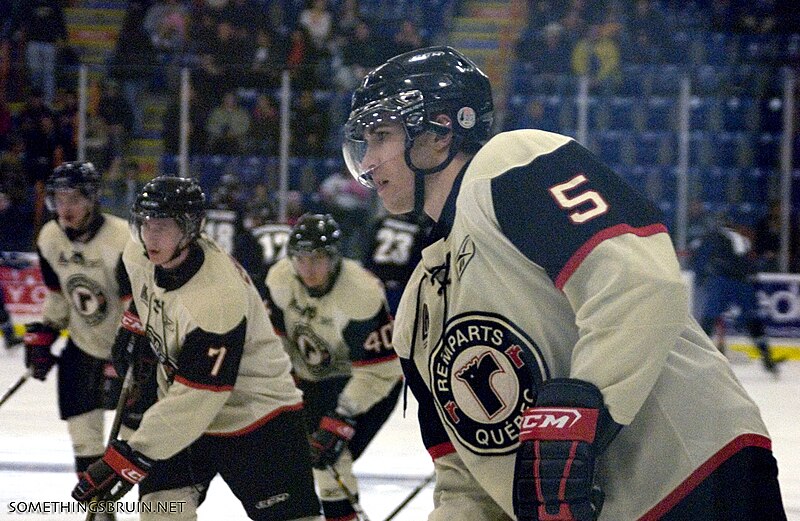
{"x": 414, "y": 88}
{"x": 179, "y": 198}
{"x": 73, "y": 175}
{"x": 314, "y": 231}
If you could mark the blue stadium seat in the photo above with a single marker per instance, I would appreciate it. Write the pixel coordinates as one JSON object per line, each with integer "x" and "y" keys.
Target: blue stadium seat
{"x": 654, "y": 147}
{"x": 724, "y": 144}
{"x": 705, "y": 113}
{"x": 755, "y": 185}
{"x": 666, "y": 79}
{"x": 710, "y": 80}
{"x": 738, "y": 113}
{"x": 608, "y": 144}
{"x": 770, "y": 114}
{"x": 767, "y": 150}
{"x": 661, "y": 113}
{"x": 713, "y": 182}
{"x": 620, "y": 115}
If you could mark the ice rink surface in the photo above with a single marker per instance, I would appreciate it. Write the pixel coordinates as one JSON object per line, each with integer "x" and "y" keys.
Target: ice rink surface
{"x": 36, "y": 462}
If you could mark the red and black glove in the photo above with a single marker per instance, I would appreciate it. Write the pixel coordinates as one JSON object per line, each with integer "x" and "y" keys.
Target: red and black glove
{"x": 38, "y": 339}
{"x": 112, "y": 476}
{"x": 560, "y": 438}
{"x": 330, "y": 439}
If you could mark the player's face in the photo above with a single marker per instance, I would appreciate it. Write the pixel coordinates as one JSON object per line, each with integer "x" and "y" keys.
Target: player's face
{"x": 161, "y": 238}
{"x": 385, "y": 158}
{"x": 72, "y": 208}
{"x": 314, "y": 268}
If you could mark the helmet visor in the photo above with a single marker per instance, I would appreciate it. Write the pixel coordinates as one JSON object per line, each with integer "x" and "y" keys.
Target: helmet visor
{"x": 406, "y": 108}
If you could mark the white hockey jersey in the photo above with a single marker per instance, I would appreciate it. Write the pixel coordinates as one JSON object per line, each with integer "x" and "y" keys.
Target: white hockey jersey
{"x": 346, "y": 332}
{"x": 223, "y": 370}
{"x": 545, "y": 264}
{"x": 88, "y": 286}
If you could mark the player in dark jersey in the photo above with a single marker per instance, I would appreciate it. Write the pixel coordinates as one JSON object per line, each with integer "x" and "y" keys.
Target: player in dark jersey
{"x": 724, "y": 268}
{"x": 80, "y": 256}
{"x": 225, "y": 225}
{"x": 394, "y": 250}
{"x": 546, "y": 332}
{"x": 333, "y": 318}
{"x": 227, "y": 402}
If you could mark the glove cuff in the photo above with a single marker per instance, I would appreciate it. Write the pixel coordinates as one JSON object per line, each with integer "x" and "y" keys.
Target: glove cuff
{"x": 130, "y": 465}
{"x": 341, "y": 426}
{"x": 40, "y": 335}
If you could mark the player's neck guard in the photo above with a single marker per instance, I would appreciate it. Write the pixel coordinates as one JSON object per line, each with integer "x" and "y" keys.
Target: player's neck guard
{"x": 173, "y": 278}
{"x": 94, "y": 221}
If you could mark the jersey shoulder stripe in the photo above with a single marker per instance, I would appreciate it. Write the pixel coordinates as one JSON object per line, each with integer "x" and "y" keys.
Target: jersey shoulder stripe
{"x": 559, "y": 206}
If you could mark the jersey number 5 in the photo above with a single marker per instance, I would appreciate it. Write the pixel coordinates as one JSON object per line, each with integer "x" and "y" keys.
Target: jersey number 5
{"x": 598, "y": 205}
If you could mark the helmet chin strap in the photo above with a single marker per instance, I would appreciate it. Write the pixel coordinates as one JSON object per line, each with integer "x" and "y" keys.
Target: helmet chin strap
{"x": 420, "y": 173}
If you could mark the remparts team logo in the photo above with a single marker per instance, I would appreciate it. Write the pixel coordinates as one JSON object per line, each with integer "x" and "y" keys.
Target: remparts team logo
{"x": 484, "y": 372}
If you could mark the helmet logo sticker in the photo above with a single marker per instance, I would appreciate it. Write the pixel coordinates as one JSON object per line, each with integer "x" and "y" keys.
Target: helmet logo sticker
{"x": 466, "y": 117}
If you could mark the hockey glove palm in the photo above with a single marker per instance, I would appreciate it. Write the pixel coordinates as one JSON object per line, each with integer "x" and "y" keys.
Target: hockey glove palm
{"x": 330, "y": 439}
{"x": 112, "y": 476}
{"x": 38, "y": 339}
{"x": 560, "y": 437}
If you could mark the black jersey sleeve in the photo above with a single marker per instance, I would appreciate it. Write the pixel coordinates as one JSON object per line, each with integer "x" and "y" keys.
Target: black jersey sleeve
{"x": 275, "y": 313}
{"x": 123, "y": 282}
{"x": 370, "y": 341}
{"x": 48, "y": 273}
{"x": 211, "y": 360}
{"x": 561, "y": 205}
{"x": 434, "y": 437}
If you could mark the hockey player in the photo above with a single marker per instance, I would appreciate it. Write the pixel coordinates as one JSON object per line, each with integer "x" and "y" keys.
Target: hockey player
{"x": 724, "y": 266}
{"x": 333, "y": 318}
{"x": 80, "y": 256}
{"x": 394, "y": 250}
{"x": 227, "y": 403}
{"x": 546, "y": 333}
{"x": 225, "y": 225}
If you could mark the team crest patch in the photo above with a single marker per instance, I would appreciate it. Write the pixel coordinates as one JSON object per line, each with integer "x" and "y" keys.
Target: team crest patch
{"x": 465, "y": 254}
{"x": 314, "y": 350}
{"x": 87, "y": 299}
{"x": 484, "y": 372}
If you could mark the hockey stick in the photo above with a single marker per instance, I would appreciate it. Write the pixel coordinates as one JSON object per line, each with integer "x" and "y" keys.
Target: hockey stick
{"x": 116, "y": 425}
{"x": 16, "y": 385}
{"x": 411, "y": 496}
{"x": 362, "y": 516}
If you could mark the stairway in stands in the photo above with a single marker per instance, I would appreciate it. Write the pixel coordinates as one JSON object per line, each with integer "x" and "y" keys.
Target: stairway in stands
{"x": 93, "y": 27}
{"x": 485, "y": 31}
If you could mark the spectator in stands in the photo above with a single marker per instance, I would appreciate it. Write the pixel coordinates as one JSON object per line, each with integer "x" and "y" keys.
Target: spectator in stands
{"x": 597, "y": 55}
{"x": 202, "y": 30}
{"x": 41, "y": 24}
{"x": 360, "y": 53}
{"x": 310, "y": 126}
{"x": 117, "y": 115}
{"x": 265, "y": 127}
{"x": 5, "y": 120}
{"x": 407, "y": 38}
{"x": 228, "y": 57}
{"x": 133, "y": 62}
{"x": 166, "y": 22}
{"x": 16, "y": 217}
{"x": 245, "y": 14}
{"x": 266, "y": 62}
{"x": 318, "y": 21}
{"x": 645, "y": 31}
{"x": 547, "y": 52}
{"x": 33, "y": 110}
{"x": 227, "y": 126}
{"x": 302, "y": 59}
{"x": 345, "y": 21}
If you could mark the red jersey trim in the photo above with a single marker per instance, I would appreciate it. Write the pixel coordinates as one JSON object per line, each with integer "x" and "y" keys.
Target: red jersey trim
{"x": 587, "y": 247}
{"x": 204, "y": 387}
{"x": 442, "y": 449}
{"x": 258, "y": 423}
{"x": 703, "y": 471}
{"x": 360, "y": 363}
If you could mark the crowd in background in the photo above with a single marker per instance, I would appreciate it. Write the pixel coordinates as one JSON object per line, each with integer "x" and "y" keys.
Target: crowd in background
{"x": 237, "y": 49}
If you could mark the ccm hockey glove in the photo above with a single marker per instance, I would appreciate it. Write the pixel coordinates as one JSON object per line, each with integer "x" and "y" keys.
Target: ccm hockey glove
{"x": 112, "y": 476}
{"x": 330, "y": 439}
{"x": 38, "y": 339}
{"x": 560, "y": 438}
